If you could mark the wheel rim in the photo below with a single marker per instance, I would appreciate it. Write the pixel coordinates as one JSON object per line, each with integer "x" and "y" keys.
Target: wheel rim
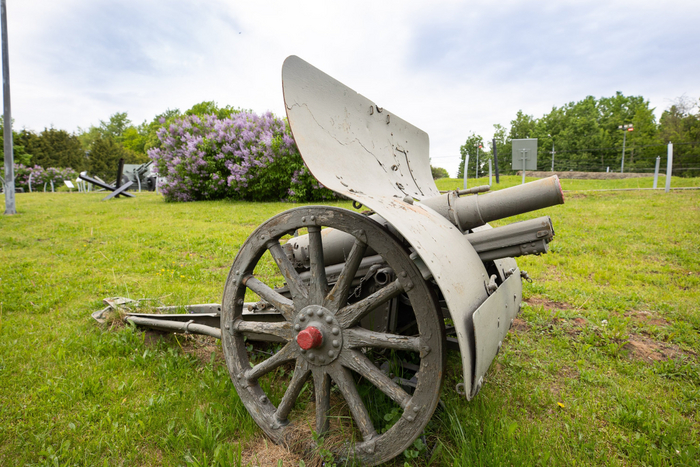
{"x": 314, "y": 310}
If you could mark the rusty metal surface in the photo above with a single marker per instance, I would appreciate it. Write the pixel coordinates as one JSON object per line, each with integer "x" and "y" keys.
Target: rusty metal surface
{"x": 328, "y": 118}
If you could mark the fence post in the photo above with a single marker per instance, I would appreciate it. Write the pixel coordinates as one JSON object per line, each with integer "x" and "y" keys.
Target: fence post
{"x": 656, "y": 171}
{"x": 669, "y": 167}
{"x": 489, "y": 172}
{"x": 466, "y": 164}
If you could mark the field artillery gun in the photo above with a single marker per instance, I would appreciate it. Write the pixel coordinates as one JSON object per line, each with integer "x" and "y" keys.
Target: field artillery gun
{"x": 364, "y": 306}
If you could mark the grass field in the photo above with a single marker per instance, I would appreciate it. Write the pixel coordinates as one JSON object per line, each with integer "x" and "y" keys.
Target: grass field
{"x": 601, "y": 367}
{"x": 571, "y": 184}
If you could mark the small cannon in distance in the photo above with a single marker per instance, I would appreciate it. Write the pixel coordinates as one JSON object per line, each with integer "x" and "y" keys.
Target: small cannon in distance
{"x": 141, "y": 176}
{"x": 128, "y": 176}
{"x": 366, "y": 306}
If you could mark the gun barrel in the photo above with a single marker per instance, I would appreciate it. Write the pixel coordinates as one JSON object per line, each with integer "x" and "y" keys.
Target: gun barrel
{"x": 473, "y": 211}
{"x": 467, "y": 213}
{"x": 517, "y": 239}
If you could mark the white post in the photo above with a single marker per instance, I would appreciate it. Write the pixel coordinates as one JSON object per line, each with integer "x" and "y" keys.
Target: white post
{"x": 656, "y": 171}
{"x": 624, "y": 140}
{"x": 669, "y": 167}
{"x": 523, "y": 151}
{"x": 466, "y": 164}
{"x": 477, "y": 161}
{"x": 552, "y": 154}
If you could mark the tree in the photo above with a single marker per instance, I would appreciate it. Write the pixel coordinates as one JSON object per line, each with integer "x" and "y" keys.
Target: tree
{"x": 585, "y": 135}
{"x": 470, "y": 148}
{"x": 159, "y": 121}
{"x": 681, "y": 126}
{"x": 88, "y": 137}
{"x": 438, "y": 172}
{"x": 116, "y": 126}
{"x": 503, "y": 148}
{"x": 53, "y": 148}
{"x": 211, "y": 108}
{"x": 19, "y": 152}
{"x": 104, "y": 156}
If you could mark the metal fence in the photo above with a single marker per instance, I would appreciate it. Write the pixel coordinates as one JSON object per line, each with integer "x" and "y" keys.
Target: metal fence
{"x": 637, "y": 159}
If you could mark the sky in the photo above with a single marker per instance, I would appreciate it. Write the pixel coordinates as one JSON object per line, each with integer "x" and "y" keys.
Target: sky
{"x": 451, "y": 68}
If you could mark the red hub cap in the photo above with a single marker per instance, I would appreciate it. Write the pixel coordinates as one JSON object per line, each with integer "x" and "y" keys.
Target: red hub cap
{"x": 310, "y": 338}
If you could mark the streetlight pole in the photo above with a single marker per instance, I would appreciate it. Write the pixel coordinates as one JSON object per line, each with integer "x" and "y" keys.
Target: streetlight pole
{"x": 7, "y": 118}
{"x": 625, "y": 128}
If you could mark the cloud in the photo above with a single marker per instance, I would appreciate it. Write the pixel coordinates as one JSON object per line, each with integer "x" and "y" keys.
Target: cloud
{"x": 448, "y": 67}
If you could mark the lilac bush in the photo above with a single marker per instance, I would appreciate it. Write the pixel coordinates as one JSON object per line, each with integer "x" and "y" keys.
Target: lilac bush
{"x": 39, "y": 176}
{"x": 245, "y": 156}
{"x": 22, "y": 173}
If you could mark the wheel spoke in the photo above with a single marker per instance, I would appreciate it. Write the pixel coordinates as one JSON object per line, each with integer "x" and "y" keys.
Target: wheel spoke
{"x": 301, "y": 372}
{"x": 282, "y": 329}
{"x": 360, "y": 337}
{"x": 296, "y": 287}
{"x": 322, "y": 389}
{"x": 343, "y": 379}
{"x": 358, "y": 362}
{"x": 339, "y": 295}
{"x": 351, "y": 314}
{"x": 287, "y": 353}
{"x": 319, "y": 283}
{"x": 279, "y": 301}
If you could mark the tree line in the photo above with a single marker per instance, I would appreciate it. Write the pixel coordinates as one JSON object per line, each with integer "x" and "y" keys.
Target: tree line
{"x": 586, "y": 136}
{"x": 98, "y": 148}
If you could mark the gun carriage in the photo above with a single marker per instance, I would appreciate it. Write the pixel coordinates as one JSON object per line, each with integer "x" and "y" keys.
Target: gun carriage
{"x": 372, "y": 300}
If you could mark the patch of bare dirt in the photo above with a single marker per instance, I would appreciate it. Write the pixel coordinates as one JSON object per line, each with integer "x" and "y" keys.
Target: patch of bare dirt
{"x": 646, "y": 349}
{"x": 520, "y": 325}
{"x": 264, "y": 453}
{"x": 553, "y": 273}
{"x": 646, "y": 317}
{"x": 575, "y": 326}
{"x": 203, "y": 347}
{"x": 547, "y": 304}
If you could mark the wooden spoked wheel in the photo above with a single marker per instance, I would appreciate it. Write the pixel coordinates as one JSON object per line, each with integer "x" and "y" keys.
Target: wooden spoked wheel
{"x": 324, "y": 342}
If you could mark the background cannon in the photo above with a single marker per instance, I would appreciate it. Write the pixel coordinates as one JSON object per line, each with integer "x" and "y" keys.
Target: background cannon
{"x": 359, "y": 310}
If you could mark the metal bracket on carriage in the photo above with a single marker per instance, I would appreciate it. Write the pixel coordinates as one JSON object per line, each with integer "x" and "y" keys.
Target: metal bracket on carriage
{"x": 203, "y": 319}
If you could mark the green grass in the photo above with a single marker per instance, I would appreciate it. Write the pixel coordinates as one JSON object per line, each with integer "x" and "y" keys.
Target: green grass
{"x": 507, "y": 181}
{"x": 572, "y": 386}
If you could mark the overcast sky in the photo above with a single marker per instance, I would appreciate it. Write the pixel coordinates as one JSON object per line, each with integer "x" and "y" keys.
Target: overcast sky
{"x": 448, "y": 67}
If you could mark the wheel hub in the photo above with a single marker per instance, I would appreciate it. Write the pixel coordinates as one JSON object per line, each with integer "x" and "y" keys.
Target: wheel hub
{"x": 318, "y": 335}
